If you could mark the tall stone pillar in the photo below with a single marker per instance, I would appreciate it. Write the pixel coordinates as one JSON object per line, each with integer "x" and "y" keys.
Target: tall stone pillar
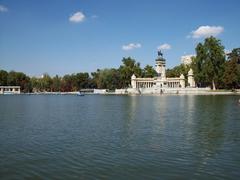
{"x": 160, "y": 67}
{"x": 133, "y": 81}
{"x": 182, "y": 81}
{"x": 191, "y": 81}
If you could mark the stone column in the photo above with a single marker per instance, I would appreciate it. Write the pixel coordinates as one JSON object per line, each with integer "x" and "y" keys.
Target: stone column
{"x": 133, "y": 81}
{"x": 191, "y": 81}
{"x": 182, "y": 81}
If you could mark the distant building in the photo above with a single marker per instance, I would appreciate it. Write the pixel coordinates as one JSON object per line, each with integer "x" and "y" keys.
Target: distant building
{"x": 161, "y": 81}
{"x": 100, "y": 91}
{"x": 187, "y": 59}
{"x": 10, "y": 90}
{"x": 161, "y": 84}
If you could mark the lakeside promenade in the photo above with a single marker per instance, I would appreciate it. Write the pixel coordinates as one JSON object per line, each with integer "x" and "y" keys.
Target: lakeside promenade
{"x": 210, "y": 92}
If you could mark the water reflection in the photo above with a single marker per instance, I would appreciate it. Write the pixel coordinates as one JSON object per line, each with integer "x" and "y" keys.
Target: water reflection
{"x": 131, "y": 137}
{"x": 209, "y": 128}
{"x": 160, "y": 107}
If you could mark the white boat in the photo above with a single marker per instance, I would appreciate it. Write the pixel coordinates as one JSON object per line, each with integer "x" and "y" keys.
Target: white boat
{"x": 80, "y": 94}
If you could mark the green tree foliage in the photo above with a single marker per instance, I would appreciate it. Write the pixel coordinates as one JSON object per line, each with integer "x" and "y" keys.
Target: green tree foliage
{"x": 67, "y": 84}
{"x": 121, "y": 77}
{"x": 109, "y": 79}
{"x": 126, "y": 70}
{"x": 19, "y": 79}
{"x": 209, "y": 63}
{"x": 46, "y": 83}
{"x": 149, "y": 72}
{"x": 198, "y": 64}
{"x": 208, "y": 66}
{"x": 232, "y": 70}
{"x": 95, "y": 79}
{"x": 56, "y": 84}
{"x": 178, "y": 70}
{"x": 82, "y": 80}
{"x": 35, "y": 82}
{"x": 3, "y": 77}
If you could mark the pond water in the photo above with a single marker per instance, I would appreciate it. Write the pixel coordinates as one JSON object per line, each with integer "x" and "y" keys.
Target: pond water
{"x": 119, "y": 137}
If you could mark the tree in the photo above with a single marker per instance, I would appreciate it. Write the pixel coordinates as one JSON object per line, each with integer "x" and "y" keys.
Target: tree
{"x": 108, "y": 79}
{"x": 178, "y": 70}
{"x": 95, "y": 79}
{"x": 82, "y": 80}
{"x": 46, "y": 82}
{"x": 56, "y": 83}
{"x": 149, "y": 72}
{"x": 126, "y": 70}
{"x": 235, "y": 54}
{"x": 19, "y": 79}
{"x": 35, "y": 84}
{"x": 209, "y": 62}
{"x": 11, "y": 79}
{"x": 232, "y": 70}
{"x": 198, "y": 64}
{"x": 3, "y": 77}
{"x": 67, "y": 83}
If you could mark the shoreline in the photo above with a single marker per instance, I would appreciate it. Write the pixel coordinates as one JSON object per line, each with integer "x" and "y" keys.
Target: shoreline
{"x": 133, "y": 94}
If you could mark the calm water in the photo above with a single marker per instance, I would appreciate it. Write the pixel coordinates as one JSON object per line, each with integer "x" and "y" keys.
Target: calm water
{"x": 119, "y": 137}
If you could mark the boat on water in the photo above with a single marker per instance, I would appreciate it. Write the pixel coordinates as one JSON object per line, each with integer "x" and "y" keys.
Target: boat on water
{"x": 8, "y": 93}
{"x": 80, "y": 94}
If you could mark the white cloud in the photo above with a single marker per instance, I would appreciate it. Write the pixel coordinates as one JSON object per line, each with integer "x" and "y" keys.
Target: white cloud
{"x": 164, "y": 47}
{"x": 131, "y": 46}
{"x": 77, "y": 17}
{"x": 3, "y": 8}
{"x": 206, "y": 31}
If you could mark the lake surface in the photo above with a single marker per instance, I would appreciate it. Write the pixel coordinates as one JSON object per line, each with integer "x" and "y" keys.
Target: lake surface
{"x": 119, "y": 137}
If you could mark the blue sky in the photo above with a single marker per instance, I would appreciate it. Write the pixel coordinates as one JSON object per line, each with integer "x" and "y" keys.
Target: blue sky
{"x": 70, "y": 36}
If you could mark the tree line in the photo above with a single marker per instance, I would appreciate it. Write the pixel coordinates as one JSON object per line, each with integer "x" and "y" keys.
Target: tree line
{"x": 211, "y": 67}
{"x": 111, "y": 78}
